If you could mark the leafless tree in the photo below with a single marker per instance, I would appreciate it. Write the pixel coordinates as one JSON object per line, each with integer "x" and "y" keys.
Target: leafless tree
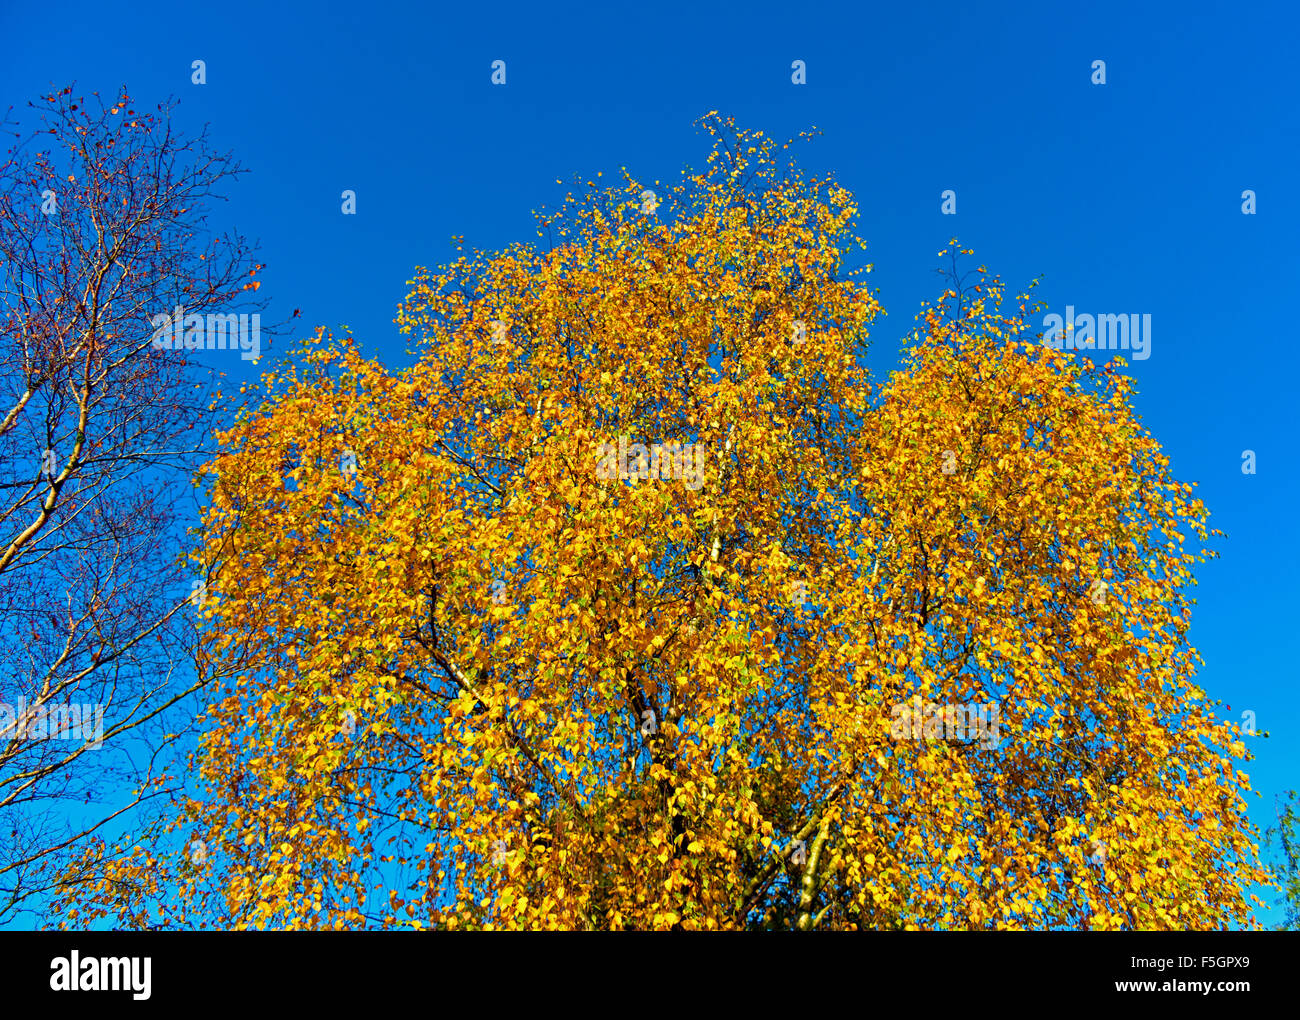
{"x": 103, "y": 228}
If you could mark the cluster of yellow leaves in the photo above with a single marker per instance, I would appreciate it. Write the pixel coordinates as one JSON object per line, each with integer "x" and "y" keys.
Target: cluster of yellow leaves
{"x": 472, "y": 684}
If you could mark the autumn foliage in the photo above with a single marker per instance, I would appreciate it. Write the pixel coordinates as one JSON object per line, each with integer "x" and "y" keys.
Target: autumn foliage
{"x": 462, "y": 680}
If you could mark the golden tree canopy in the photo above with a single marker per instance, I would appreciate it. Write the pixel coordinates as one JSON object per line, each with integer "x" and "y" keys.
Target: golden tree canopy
{"x": 473, "y": 677}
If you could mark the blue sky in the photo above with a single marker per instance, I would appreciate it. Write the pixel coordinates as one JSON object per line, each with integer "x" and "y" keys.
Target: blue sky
{"x": 1124, "y": 197}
